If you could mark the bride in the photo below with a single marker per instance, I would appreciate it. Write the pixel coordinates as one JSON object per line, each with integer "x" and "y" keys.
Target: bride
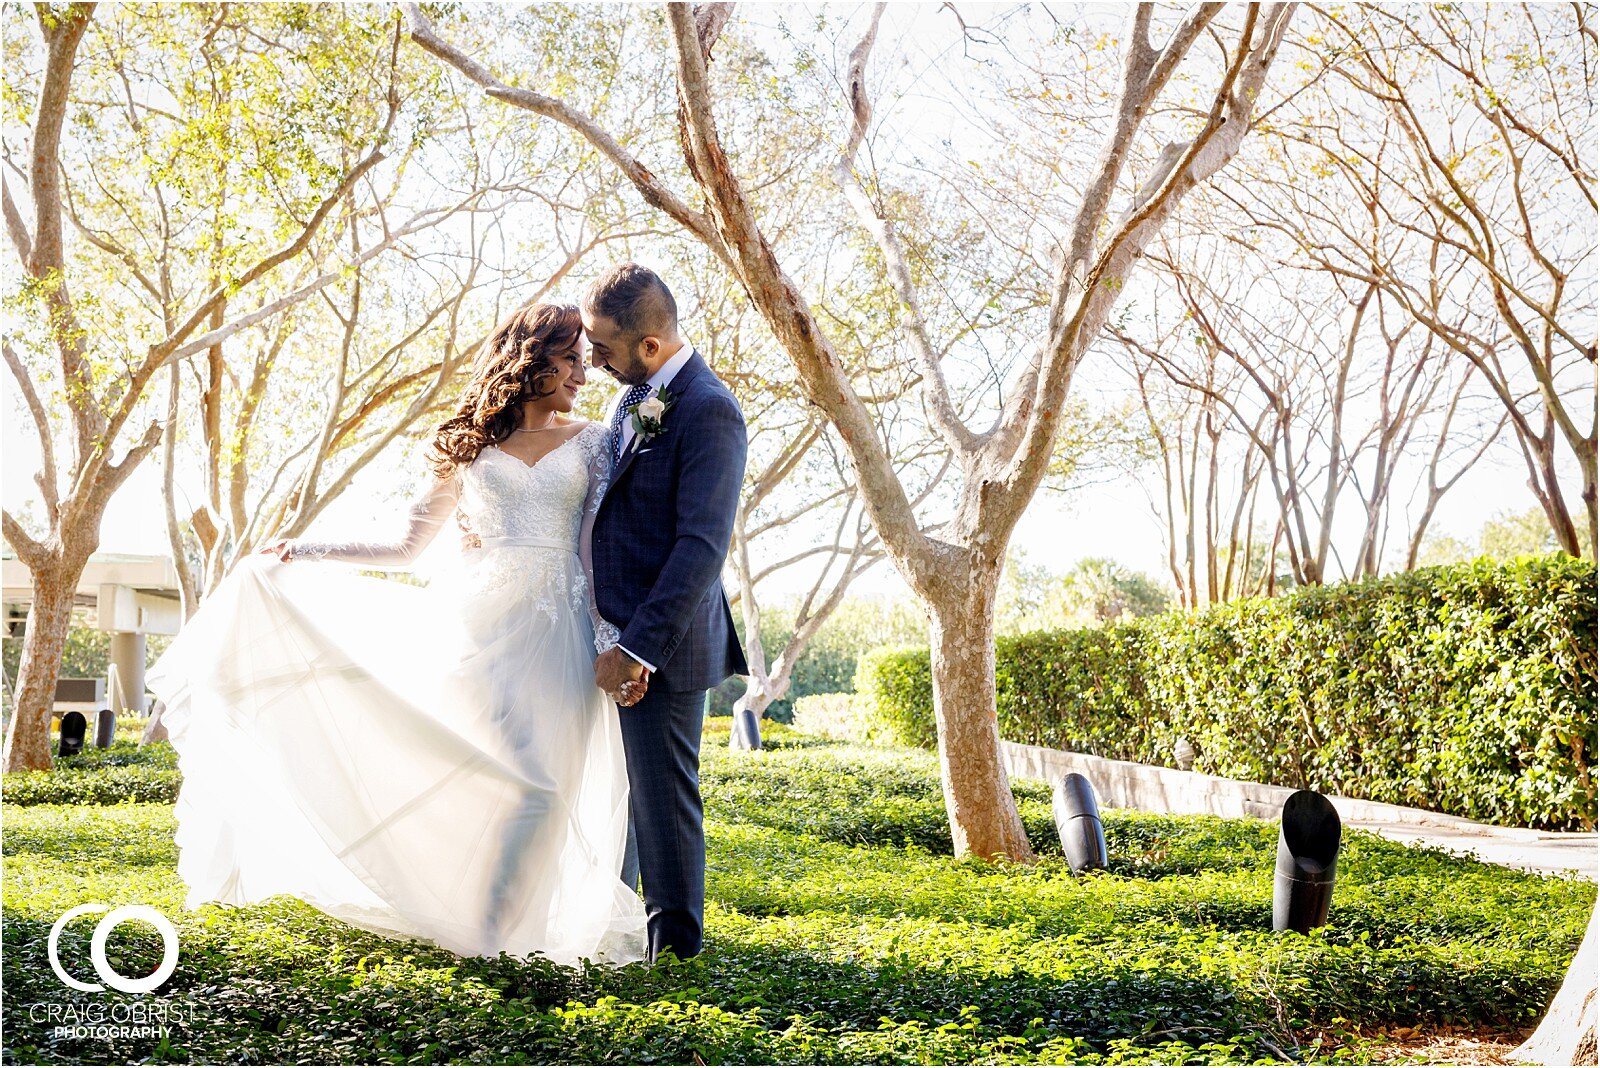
{"x": 431, "y": 762}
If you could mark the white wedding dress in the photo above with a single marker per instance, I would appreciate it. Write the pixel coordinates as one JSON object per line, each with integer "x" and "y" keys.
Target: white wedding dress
{"x": 431, "y": 762}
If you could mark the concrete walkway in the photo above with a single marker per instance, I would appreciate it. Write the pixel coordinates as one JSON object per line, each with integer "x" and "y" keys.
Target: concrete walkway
{"x": 1148, "y": 788}
{"x": 1543, "y": 852}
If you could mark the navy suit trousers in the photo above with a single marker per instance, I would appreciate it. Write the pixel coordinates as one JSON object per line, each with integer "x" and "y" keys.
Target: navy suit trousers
{"x": 666, "y": 833}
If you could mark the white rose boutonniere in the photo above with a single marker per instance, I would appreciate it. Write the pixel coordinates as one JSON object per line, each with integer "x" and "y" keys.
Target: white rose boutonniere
{"x": 649, "y": 413}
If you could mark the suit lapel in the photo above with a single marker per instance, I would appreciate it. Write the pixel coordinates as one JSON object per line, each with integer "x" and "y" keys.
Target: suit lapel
{"x": 624, "y": 463}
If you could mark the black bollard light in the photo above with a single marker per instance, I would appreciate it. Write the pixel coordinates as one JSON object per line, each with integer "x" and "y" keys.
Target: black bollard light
{"x": 1308, "y": 852}
{"x": 746, "y": 730}
{"x": 1083, "y": 837}
{"x": 73, "y": 728}
{"x": 105, "y": 728}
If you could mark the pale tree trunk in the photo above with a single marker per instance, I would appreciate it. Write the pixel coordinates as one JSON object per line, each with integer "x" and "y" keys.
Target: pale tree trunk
{"x": 54, "y": 570}
{"x": 1436, "y": 489}
{"x": 977, "y": 794}
{"x": 155, "y": 730}
{"x": 760, "y": 688}
{"x": 49, "y": 618}
{"x": 759, "y": 694}
{"x": 853, "y": 547}
{"x": 746, "y": 732}
{"x": 1195, "y": 420}
{"x": 1171, "y": 484}
{"x": 188, "y": 592}
{"x": 1213, "y": 437}
{"x": 1567, "y": 1034}
{"x": 766, "y": 685}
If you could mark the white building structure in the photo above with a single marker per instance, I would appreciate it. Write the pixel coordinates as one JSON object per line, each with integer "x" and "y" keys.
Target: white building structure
{"x": 132, "y": 596}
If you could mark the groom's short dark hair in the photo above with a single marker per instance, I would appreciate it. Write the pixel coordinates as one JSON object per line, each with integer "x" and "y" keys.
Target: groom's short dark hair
{"x": 635, "y": 298}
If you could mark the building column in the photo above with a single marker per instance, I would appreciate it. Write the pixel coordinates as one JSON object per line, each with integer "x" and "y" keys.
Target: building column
{"x": 127, "y": 653}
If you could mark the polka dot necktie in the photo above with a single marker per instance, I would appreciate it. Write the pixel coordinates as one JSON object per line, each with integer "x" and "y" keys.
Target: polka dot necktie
{"x": 634, "y": 395}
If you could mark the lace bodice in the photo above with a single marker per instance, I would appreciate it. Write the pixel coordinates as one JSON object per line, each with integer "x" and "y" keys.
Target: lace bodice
{"x": 504, "y": 497}
{"x": 552, "y": 501}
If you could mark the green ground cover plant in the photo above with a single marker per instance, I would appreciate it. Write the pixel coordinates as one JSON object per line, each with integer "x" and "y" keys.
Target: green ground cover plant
{"x": 841, "y": 930}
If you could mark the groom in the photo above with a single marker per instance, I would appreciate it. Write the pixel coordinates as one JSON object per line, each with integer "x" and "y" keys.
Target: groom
{"x": 660, "y": 537}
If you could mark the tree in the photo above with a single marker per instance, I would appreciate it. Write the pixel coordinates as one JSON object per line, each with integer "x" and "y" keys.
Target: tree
{"x": 955, "y": 569}
{"x": 1487, "y": 109}
{"x": 1329, "y": 396}
{"x": 306, "y": 403}
{"x": 1098, "y": 591}
{"x": 116, "y": 312}
{"x": 844, "y": 556}
{"x": 1092, "y": 593}
{"x": 1499, "y": 165}
{"x": 1504, "y": 535}
{"x": 1186, "y": 425}
{"x": 798, "y": 489}
{"x": 1508, "y": 534}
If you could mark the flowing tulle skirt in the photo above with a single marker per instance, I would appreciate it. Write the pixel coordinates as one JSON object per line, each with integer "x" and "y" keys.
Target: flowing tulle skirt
{"x": 431, "y": 762}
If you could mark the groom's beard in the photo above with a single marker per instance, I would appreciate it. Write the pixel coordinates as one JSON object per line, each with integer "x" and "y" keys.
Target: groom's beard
{"x": 631, "y": 372}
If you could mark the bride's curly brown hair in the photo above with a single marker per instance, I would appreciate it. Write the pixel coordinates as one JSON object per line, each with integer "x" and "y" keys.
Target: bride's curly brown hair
{"x": 510, "y": 368}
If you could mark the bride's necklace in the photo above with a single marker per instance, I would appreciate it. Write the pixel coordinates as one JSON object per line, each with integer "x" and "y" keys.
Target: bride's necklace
{"x": 534, "y": 430}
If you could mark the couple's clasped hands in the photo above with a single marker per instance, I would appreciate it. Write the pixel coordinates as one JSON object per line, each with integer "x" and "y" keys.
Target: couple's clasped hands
{"x": 621, "y": 676}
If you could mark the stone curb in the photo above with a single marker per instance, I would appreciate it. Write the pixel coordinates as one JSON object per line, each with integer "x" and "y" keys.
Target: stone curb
{"x": 1150, "y": 788}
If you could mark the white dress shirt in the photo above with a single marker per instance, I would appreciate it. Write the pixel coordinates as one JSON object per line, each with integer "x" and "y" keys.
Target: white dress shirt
{"x": 663, "y": 376}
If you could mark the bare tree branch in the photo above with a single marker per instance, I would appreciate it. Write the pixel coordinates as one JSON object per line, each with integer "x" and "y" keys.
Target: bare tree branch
{"x": 15, "y": 226}
{"x": 655, "y": 193}
{"x": 934, "y": 386}
{"x": 47, "y": 475}
{"x": 709, "y": 20}
{"x": 28, "y": 549}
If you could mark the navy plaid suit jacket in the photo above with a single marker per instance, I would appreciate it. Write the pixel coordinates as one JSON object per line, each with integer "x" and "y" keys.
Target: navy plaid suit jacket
{"x": 662, "y": 533}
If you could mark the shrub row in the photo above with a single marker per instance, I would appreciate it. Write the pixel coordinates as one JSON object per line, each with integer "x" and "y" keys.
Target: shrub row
{"x": 1467, "y": 689}
{"x": 123, "y": 772}
{"x": 98, "y": 786}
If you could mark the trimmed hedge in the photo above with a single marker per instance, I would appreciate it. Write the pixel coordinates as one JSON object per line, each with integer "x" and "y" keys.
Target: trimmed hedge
{"x": 840, "y": 717}
{"x": 109, "y": 785}
{"x": 124, "y": 772}
{"x": 1467, "y": 689}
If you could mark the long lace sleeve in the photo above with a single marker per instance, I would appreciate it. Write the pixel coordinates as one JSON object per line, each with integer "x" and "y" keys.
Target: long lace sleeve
{"x": 598, "y": 450}
{"x": 428, "y": 512}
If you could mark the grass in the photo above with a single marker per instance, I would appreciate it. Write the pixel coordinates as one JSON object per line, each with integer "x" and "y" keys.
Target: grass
{"x": 840, "y": 930}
